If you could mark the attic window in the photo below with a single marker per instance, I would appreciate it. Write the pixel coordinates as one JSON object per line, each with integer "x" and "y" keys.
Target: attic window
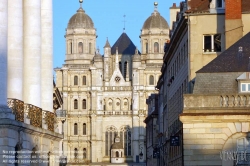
{"x": 245, "y": 87}
{"x": 220, "y": 3}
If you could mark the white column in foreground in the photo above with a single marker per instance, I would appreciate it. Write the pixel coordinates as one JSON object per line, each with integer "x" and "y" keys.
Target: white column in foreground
{"x": 3, "y": 51}
{"x": 15, "y": 49}
{"x": 47, "y": 55}
{"x": 32, "y": 52}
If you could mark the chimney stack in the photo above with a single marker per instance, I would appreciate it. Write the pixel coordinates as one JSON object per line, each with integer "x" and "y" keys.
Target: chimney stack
{"x": 173, "y": 11}
{"x": 233, "y": 21}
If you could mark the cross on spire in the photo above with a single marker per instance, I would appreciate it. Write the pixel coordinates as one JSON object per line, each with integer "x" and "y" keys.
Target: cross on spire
{"x": 124, "y": 22}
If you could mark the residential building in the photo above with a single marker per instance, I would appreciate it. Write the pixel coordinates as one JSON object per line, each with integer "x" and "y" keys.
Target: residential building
{"x": 104, "y": 96}
{"x": 152, "y": 129}
{"x": 216, "y": 116}
{"x": 201, "y": 32}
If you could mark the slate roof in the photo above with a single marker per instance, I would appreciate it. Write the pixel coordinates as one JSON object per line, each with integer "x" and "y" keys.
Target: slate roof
{"x": 231, "y": 60}
{"x": 107, "y": 44}
{"x": 125, "y": 45}
{"x": 197, "y": 6}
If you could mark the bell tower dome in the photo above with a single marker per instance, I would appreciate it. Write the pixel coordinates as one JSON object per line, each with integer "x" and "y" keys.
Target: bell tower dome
{"x": 80, "y": 38}
{"x": 154, "y": 33}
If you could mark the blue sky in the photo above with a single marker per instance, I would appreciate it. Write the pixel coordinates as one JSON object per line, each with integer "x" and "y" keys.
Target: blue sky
{"x": 108, "y": 19}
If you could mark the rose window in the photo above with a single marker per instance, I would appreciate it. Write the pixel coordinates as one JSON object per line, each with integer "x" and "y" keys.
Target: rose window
{"x": 117, "y": 78}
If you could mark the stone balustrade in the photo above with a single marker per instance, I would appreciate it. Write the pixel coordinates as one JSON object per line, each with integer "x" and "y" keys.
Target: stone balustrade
{"x": 35, "y": 114}
{"x": 115, "y": 112}
{"x": 216, "y": 101}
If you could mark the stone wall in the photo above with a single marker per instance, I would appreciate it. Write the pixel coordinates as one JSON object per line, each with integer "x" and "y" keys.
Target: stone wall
{"x": 213, "y": 128}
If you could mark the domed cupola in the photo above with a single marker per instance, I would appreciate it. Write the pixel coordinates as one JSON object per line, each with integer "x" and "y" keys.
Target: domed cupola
{"x": 80, "y": 20}
{"x": 80, "y": 38}
{"x": 155, "y": 21}
{"x": 154, "y": 33}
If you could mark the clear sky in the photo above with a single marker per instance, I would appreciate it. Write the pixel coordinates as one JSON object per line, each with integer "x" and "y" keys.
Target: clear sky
{"x": 108, "y": 18}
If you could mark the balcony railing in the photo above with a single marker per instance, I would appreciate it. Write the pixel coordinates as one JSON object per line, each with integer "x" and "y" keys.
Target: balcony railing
{"x": 35, "y": 114}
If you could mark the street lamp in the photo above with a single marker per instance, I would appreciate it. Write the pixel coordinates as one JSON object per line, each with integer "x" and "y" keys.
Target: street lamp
{"x": 141, "y": 154}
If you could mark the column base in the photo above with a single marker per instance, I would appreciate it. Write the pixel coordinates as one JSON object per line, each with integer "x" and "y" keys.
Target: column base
{"x": 6, "y": 112}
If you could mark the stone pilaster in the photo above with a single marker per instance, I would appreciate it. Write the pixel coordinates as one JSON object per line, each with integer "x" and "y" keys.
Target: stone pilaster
{"x": 15, "y": 49}
{"x": 46, "y": 55}
{"x": 32, "y": 52}
{"x": 135, "y": 138}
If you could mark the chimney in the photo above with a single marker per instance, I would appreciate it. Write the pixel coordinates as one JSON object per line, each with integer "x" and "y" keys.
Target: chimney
{"x": 233, "y": 22}
{"x": 173, "y": 11}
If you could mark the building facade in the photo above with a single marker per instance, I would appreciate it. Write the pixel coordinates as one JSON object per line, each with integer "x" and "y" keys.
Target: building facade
{"x": 152, "y": 130}
{"x": 104, "y": 96}
{"x": 198, "y": 35}
{"x": 215, "y": 117}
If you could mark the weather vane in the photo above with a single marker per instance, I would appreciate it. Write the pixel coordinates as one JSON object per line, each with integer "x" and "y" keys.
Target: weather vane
{"x": 80, "y": 2}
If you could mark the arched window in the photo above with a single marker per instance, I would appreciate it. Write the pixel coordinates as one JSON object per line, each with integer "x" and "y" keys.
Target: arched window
{"x": 75, "y": 129}
{"x": 116, "y": 154}
{"x": 75, "y": 153}
{"x": 84, "y": 153}
{"x": 84, "y": 80}
{"x": 90, "y": 48}
{"x": 125, "y": 69}
{"x": 84, "y": 104}
{"x": 75, "y": 104}
{"x": 151, "y": 80}
{"x": 71, "y": 47}
{"x": 125, "y": 139}
{"x": 120, "y": 66}
{"x": 84, "y": 129}
{"x": 146, "y": 47}
{"x": 110, "y": 134}
{"x": 75, "y": 80}
{"x": 156, "y": 47}
{"x": 80, "y": 47}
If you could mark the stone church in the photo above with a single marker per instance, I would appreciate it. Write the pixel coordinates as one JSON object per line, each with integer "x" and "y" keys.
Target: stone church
{"x": 104, "y": 96}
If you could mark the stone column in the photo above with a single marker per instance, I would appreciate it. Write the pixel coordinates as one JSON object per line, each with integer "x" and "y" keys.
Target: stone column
{"x": 46, "y": 56}
{"x": 32, "y": 52}
{"x": 3, "y": 51}
{"x": 15, "y": 49}
{"x": 5, "y": 112}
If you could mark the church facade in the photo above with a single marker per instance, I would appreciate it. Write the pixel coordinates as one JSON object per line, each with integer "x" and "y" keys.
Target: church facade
{"x": 104, "y": 96}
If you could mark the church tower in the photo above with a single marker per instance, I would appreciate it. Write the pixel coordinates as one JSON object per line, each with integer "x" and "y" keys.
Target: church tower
{"x": 154, "y": 33}
{"x": 80, "y": 39}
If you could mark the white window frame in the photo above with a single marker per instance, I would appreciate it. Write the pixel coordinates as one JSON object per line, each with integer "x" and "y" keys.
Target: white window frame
{"x": 247, "y": 89}
{"x": 212, "y": 43}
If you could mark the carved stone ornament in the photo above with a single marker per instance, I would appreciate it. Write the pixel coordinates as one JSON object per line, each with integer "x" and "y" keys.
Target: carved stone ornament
{"x": 35, "y": 115}
{"x": 17, "y": 107}
{"x": 50, "y": 120}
